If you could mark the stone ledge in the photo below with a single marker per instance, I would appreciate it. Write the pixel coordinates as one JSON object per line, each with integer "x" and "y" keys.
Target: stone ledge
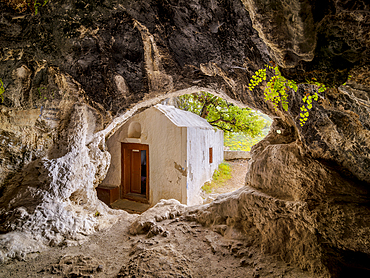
{"x": 231, "y": 155}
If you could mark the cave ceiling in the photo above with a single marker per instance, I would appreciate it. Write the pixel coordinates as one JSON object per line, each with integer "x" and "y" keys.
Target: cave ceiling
{"x": 74, "y": 71}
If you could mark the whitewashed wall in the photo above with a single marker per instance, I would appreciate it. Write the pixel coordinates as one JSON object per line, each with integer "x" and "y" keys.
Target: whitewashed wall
{"x": 199, "y": 168}
{"x": 167, "y": 154}
{"x": 178, "y": 156}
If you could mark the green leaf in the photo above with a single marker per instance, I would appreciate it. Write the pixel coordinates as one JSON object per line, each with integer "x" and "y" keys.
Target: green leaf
{"x": 277, "y": 88}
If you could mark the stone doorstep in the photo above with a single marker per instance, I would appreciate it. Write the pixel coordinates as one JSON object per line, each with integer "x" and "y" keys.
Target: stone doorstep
{"x": 130, "y": 206}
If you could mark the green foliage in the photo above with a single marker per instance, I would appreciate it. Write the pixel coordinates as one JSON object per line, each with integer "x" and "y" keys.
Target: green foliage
{"x": 307, "y": 99}
{"x": 36, "y": 5}
{"x": 23, "y": 5}
{"x": 223, "y": 115}
{"x": 257, "y": 78}
{"x": 277, "y": 89}
{"x": 241, "y": 142}
{"x": 2, "y": 90}
{"x": 321, "y": 87}
{"x": 348, "y": 79}
{"x": 220, "y": 176}
{"x": 40, "y": 89}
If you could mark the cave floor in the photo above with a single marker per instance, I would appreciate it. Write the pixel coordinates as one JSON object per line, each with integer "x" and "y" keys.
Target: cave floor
{"x": 184, "y": 249}
{"x": 130, "y": 206}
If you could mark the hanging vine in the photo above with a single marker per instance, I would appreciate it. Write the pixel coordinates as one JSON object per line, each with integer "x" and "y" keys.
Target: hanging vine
{"x": 277, "y": 88}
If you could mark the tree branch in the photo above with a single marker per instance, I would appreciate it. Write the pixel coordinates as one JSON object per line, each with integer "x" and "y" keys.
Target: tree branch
{"x": 222, "y": 128}
{"x": 222, "y": 120}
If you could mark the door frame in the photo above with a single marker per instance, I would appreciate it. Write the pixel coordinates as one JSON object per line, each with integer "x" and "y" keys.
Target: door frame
{"x": 125, "y": 170}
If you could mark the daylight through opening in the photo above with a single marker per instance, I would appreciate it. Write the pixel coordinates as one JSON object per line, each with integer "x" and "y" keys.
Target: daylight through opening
{"x": 242, "y": 127}
{"x": 191, "y": 148}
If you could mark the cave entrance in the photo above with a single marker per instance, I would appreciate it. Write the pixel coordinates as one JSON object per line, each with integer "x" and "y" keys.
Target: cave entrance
{"x": 242, "y": 127}
{"x": 161, "y": 153}
{"x": 186, "y": 149}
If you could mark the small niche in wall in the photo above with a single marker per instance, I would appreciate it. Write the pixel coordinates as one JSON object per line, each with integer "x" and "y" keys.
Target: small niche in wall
{"x": 134, "y": 130}
{"x": 210, "y": 155}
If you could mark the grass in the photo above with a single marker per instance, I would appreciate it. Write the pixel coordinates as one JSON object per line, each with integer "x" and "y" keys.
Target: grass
{"x": 220, "y": 176}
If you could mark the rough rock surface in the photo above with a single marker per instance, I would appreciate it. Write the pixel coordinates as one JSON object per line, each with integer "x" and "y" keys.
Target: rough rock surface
{"x": 188, "y": 250}
{"x": 76, "y": 266}
{"x": 321, "y": 39}
{"x": 76, "y": 71}
{"x": 159, "y": 261}
{"x": 147, "y": 222}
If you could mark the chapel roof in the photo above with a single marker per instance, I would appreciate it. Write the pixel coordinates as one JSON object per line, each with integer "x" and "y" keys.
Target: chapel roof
{"x": 183, "y": 118}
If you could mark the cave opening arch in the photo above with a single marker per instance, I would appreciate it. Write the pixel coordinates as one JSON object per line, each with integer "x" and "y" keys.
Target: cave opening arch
{"x": 120, "y": 179}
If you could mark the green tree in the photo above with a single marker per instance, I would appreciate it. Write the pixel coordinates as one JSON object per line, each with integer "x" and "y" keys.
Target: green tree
{"x": 222, "y": 114}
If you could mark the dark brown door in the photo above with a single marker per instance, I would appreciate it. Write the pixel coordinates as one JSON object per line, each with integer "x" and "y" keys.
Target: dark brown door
{"x": 135, "y": 172}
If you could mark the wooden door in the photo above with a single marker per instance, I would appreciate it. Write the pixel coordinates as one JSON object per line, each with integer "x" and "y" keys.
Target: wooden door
{"x": 135, "y": 172}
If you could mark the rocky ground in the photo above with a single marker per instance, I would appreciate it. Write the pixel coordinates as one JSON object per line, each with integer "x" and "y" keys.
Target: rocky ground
{"x": 176, "y": 248}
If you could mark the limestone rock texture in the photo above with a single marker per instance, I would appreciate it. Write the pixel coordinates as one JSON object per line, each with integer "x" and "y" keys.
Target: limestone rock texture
{"x": 163, "y": 261}
{"x": 75, "y": 71}
{"x": 320, "y": 39}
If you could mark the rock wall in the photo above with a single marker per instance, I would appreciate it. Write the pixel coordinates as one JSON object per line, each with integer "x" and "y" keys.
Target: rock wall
{"x": 76, "y": 71}
{"x": 320, "y": 39}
